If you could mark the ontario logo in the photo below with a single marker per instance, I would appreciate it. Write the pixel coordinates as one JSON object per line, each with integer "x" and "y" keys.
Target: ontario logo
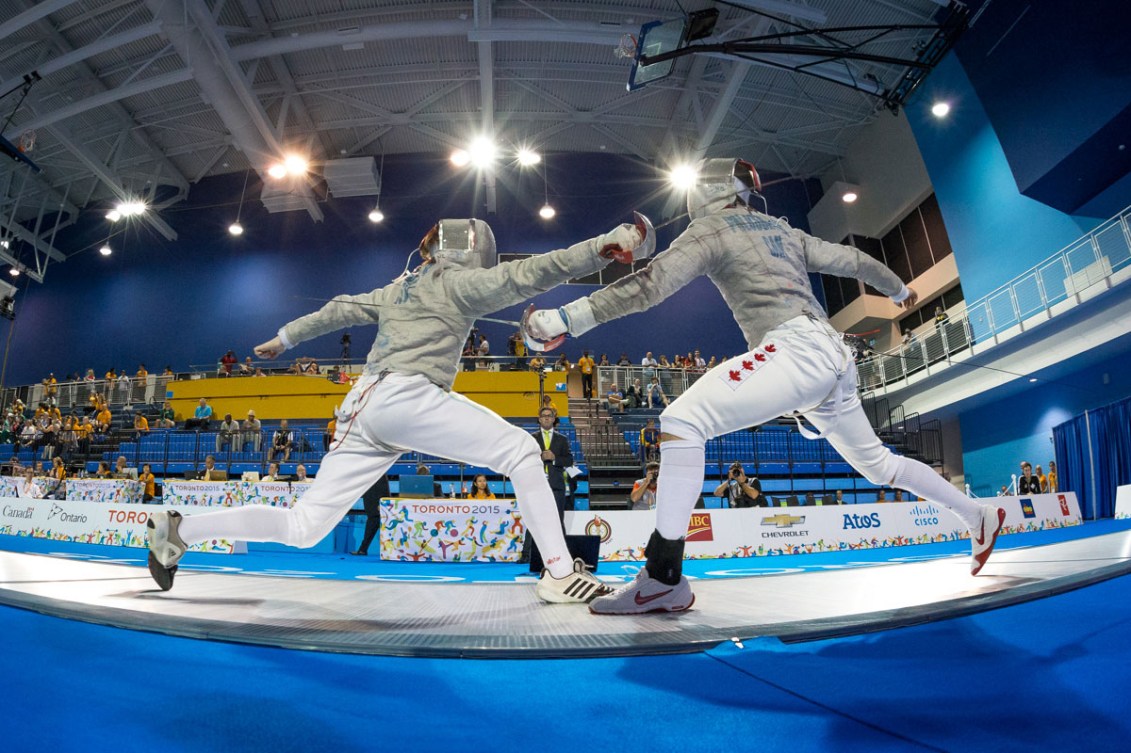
{"x": 699, "y": 529}
{"x": 599, "y": 527}
{"x": 783, "y": 520}
{"x": 1027, "y": 508}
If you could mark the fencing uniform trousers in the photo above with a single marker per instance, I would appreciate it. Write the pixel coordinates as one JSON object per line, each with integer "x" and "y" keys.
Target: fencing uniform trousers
{"x": 379, "y": 420}
{"x": 803, "y": 366}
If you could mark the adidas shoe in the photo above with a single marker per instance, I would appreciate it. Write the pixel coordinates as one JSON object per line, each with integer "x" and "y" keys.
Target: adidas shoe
{"x": 579, "y": 587}
{"x": 165, "y": 547}
{"x": 984, "y": 536}
{"x": 646, "y": 594}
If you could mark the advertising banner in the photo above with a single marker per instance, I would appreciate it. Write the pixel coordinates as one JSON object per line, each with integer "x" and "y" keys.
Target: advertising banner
{"x": 451, "y": 530}
{"x": 90, "y": 523}
{"x": 104, "y": 490}
{"x": 767, "y": 531}
{"x": 233, "y": 493}
{"x": 1123, "y": 502}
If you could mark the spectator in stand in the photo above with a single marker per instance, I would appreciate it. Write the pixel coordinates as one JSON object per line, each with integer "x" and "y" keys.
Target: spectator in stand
{"x": 259, "y": 372}
{"x": 147, "y": 478}
{"x": 585, "y": 366}
{"x": 1027, "y": 483}
{"x": 110, "y": 376}
{"x": 309, "y": 366}
{"x": 898, "y": 495}
{"x": 246, "y": 368}
{"x": 941, "y": 316}
{"x": 562, "y": 364}
{"x": 168, "y": 372}
{"x": 1042, "y": 480}
{"x": 300, "y": 474}
{"x": 272, "y": 472}
{"x": 141, "y": 425}
{"x": 28, "y": 435}
{"x": 881, "y": 495}
{"x": 165, "y": 419}
{"x": 654, "y": 394}
{"x": 604, "y": 360}
{"x": 650, "y": 441}
{"x": 1051, "y": 478}
{"x": 141, "y": 381}
{"x": 227, "y": 361}
{"x": 649, "y": 364}
{"x": 480, "y": 488}
{"x": 519, "y": 351}
{"x": 643, "y": 494}
{"x": 103, "y": 470}
{"x": 839, "y": 497}
{"x": 537, "y": 363}
{"x": 50, "y": 439}
{"x": 739, "y": 490}
{"x": 281, "y": 441}
{"x": 50, "y": 388}
{"x": 483, "y": 351}
{"x": 102, "y": 419}
{"x": 328, "y": 437}
{"x": 699, "y": 364}
{"x": 200, "y": 417}
{"x": 84, "y": 430}
{"x": 122, "y": 469}
{"x": 711, "y": 363}
{"x": 1003, "y": 492}
{"x": 30, "y": 488}
{"x": 623, "y": 360}
{"x": 228, "y": 432}
{"x": 124, "y": 391}
{"x": 634, "y": 398}
{"x": 615, "y": 398}
{"x": 664, "y": 363}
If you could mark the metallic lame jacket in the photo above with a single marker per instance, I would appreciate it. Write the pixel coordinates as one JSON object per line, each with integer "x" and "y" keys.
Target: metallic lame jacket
{"x": 424, "y": 318}
{"x": 759, "y": 263}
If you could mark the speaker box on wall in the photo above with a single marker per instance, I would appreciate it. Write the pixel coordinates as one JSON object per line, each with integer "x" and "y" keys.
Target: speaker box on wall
{"x": 588, "y": 548}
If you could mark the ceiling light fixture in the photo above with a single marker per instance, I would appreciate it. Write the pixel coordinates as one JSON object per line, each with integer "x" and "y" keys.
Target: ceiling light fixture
{"x": 236, "y": 229}
{"x": 683, "y": 177}
{"x": 277, "y": 171}
{"x": 528, "y": 157}
{"x": 14, "y": 271}
{"x": 376, "y": 215}
{"x": 460, "y": 157}
{"x": 940, "y": 109}
{"x": 547, "y": 212}
{"x": 482, "y": 152}
{"x": 849, "y": 196}
{"x": 295, "y": 165}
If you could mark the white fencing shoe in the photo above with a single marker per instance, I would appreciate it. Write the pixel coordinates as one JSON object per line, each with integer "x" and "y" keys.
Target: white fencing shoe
{"x": 984, "y": 536}
{"x": 579, "y": 587}
{"x": 646, "y": 594}
{"x": 165, "y": 547}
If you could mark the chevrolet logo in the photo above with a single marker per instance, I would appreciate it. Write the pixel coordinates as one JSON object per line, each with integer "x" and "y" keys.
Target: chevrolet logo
{"x": 783, "y": 520}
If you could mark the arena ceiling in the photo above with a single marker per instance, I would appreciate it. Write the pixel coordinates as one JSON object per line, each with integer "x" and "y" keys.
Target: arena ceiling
{"x": 144, "y": 98}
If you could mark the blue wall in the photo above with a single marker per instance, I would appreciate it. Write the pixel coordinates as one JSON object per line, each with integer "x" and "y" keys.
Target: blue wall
{"x": 189, "y": 301}
{"x": 997, "y": 436}
{"x": 996, "y": 232}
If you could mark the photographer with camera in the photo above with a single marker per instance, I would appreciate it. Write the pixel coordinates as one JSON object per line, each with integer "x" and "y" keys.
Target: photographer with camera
{"x": 643, "y": 495}
{"x": 739, "y": 490}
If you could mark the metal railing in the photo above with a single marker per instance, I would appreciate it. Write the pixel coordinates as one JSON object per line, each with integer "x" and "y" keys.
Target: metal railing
{"x": 1016, "y": 306}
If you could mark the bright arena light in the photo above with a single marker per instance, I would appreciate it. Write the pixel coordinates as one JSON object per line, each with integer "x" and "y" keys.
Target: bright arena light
{"x": 235, "y": 228}
{"x": 14, "y": 272}
{"x": 277, "y": 171}
{"x": 849, "y": 197}
{"x": 5, "y": 243}
{"x": 130, "y": 208}
{"x": 106, "y": 250}
{"x": 526, "y": 157}
{"x": 940, "y": 109}
{"x": 376, "y": 216}
{"x": 295, "y": 165}
{"x": 683, "y": 177}
{"x": 113, "y": 215}
{"x": 482, "y": 152}
{"x": 460, "y": 157}
{"x": 547, "y": 212}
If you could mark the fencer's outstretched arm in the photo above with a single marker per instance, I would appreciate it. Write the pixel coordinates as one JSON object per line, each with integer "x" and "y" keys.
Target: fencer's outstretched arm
{"x": 847, "y": 261}
{"x": 340, "y": 312}
{"x": 481, "y": 291}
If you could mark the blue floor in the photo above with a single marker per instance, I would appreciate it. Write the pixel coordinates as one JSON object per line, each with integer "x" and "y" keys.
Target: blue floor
{"x": 1051, "y": 675}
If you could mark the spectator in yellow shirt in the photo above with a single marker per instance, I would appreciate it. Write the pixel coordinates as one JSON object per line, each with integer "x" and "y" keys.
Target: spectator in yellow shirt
{"x": 102, "y": 420}
{"x": 480, "y": 489}
{"x": 141, "y": 424}
{"x": 150, "y": 482}
{"x": 585, "y": 364}
{"x": 328, "y": 437}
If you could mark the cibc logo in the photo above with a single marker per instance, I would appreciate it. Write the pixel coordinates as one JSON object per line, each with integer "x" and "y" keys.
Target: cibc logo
{"x": 699, "y": 529}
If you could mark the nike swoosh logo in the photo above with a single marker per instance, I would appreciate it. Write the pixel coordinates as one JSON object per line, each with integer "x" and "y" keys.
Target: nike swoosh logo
{"x": 641, "y": 599}
{"x": 980, "y": 540}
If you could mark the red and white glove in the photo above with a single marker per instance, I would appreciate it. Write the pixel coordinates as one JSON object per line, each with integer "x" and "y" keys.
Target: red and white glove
{"x": 628, "y": 243}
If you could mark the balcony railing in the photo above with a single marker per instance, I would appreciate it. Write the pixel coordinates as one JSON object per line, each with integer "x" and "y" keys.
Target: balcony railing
{"x": 1037, "y": 295}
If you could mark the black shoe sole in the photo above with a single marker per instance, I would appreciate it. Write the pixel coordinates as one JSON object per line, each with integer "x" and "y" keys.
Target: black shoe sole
{"x": 163, "y": 575}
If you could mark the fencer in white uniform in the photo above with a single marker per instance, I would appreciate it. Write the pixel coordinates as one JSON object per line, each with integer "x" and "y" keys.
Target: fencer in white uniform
{"x": 404, "y": 401}
{"x": 797, "y": 363}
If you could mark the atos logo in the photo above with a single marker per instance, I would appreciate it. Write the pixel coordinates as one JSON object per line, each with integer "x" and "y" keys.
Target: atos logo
{"x": 599, "y": 527}
{"x": 699, "y": 529}
{"x": 1027, "y": 508}
{"x": 854, "y": 521}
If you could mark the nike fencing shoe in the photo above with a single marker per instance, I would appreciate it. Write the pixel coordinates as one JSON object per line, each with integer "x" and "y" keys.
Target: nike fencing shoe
{"x": 165, "y": 547}
{"x": 579, "y": 587}
{"x": 984, "y": 536}
{"x": 646, "y": 594}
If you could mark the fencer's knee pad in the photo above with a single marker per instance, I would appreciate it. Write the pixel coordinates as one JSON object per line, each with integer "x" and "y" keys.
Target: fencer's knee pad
{"x": 683, "y": 426}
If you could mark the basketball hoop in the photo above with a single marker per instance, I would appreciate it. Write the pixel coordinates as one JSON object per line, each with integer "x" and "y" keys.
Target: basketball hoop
{"x": 627, "y": 47}
{"x": 26, "y": 141}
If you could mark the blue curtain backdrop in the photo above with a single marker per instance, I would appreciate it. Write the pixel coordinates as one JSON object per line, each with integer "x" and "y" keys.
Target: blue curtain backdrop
{"x": 1093, "y": 453}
